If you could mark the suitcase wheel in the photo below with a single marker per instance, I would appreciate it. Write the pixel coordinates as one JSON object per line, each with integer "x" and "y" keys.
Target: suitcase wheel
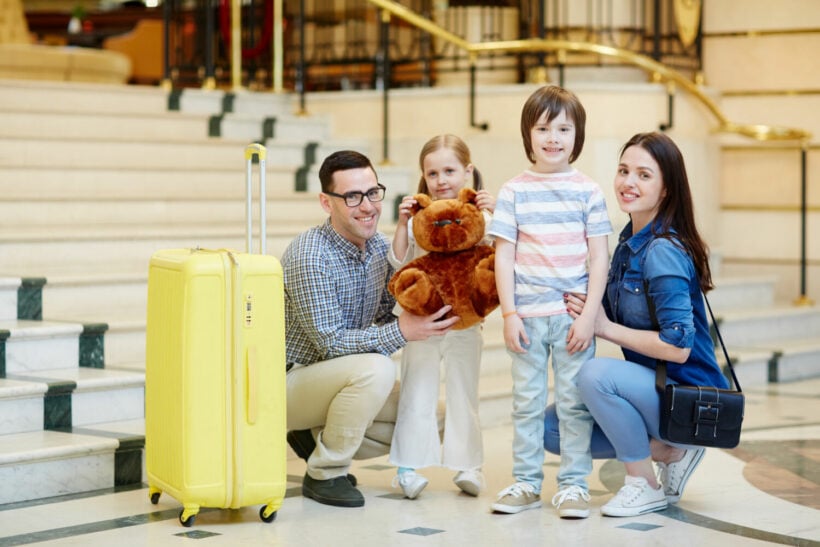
{"x": 154, "y": 494}
{"x": 266, "y": 514}
{"x": 188, "y": 515}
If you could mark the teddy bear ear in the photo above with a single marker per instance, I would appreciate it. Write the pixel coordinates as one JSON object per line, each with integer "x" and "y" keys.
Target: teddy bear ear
{"x": 422, "y": 201}
{"x": 467, "y": 195}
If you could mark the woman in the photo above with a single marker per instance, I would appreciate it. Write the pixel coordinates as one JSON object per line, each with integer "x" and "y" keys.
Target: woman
{"x": 659, "y": 249}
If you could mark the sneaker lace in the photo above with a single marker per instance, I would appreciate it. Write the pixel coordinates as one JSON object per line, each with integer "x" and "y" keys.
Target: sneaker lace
{"x": 517, "y": 489}
{"x": 629, "y": 492}
{"x": 572, "y": 492}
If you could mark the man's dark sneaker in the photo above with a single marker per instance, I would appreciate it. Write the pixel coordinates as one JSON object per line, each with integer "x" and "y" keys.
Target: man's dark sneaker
{"x": 336, "y": 491}
{"x": 301, "y": 441}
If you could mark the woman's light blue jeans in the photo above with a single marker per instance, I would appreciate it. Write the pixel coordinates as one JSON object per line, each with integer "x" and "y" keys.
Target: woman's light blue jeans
{"x": 548, "y": 336}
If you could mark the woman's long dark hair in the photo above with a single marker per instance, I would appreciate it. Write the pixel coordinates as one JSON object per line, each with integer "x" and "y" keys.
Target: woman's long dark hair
{"x": 676, "y": 210}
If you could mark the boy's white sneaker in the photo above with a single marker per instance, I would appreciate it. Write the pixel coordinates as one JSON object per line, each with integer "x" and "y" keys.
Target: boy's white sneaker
{"x": 470, "y": 481}
{"x": 635, "y": 498}
{"x": 411, "y": 483}
{"x": 516, "y": 498}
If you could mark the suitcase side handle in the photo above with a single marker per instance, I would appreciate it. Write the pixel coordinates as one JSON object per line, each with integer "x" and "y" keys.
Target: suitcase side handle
{"x": 258, "y": 150}
{"x": 252, "y": 372}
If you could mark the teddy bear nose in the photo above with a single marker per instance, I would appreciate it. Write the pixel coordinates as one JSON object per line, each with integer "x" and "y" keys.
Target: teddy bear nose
{"x": 441, "y": 223}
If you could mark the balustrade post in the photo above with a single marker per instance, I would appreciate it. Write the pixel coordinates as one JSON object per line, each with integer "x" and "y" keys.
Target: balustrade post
{"x": 383, "y": 79}
{"x": 167, "y": 83}
{"x": 210, "y": 79}
{"x": 803, "y": 299}
{"x": 236, "y": 44}
{"x": 277, "y": 54}
{"x": 299, "y": 82}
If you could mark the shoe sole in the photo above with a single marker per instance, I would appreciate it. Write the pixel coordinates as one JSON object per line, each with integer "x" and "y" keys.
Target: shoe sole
{"x": 634, "y": 511}
{"x": 513, "y": 509}
{"x": 469, "y": 487}
{"x": 674, "y": 498}
{"x": 336, "y": 502}
{"x": 573, "y": 513}
{"x": 413, "y": 494}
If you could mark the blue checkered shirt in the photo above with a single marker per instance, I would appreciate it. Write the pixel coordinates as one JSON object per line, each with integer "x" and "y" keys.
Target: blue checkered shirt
{"x": 336, "y": 298}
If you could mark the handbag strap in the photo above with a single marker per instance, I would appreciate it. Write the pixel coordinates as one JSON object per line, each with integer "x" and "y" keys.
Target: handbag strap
{"x": 660, "y": 368}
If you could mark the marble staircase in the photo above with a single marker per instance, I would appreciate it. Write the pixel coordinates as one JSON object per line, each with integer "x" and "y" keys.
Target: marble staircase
{"x": 95, "y": 179}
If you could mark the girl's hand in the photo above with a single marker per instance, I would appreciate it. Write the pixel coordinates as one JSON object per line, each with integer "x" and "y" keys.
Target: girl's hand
{"x": 485, "y": 201}
{"x": 405, "y": 207}
{"x": 580, "y": 334}
{"x": 515, "y": 335}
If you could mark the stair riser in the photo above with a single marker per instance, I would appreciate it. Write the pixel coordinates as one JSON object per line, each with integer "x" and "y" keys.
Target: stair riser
{"x": 285, "y": 129}
{"x": 113, "y": 256}
{"x": 132, "y": 155}
{"x": 47, "y": 125}
{"x": 742, "y": 296}
{"x": 8, "y": 303}
{"x": 96, "y": 302}
{"x": 21, "y": 414}
{"x": 25, "y": 356}
{"x": 87, "y": 183}
{"x": 119, "y": 405}
{"x": 47, "y": 478}
{"x": 791, "y": 368}
{"x": 767, "y": 331}
{"x": 75, "y": 98}
{"x": 67, "y": 213}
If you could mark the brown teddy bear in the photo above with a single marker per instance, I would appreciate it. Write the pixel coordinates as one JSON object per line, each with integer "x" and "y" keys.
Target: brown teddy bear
{"x": 456, "y": 270}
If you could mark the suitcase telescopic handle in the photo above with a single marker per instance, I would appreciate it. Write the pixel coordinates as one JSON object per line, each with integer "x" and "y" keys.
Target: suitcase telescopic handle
{"x": 260, "y": 152}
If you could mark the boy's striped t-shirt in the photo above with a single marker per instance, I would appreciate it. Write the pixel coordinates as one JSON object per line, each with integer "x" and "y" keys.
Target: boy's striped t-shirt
{"x": 549, "y": 218}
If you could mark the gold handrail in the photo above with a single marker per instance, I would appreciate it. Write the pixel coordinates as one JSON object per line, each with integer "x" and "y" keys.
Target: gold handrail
{"x": 658, "y": 71}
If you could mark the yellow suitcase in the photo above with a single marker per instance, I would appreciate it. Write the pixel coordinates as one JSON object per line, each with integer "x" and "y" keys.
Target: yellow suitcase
{"x": 215, "y": 375}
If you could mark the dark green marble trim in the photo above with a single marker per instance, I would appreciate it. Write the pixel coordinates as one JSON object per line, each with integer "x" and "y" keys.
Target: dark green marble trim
{"x": 301, "y": 183}
{"x": 774, "y": 367}
{"x": 57, "y": 405}
{"x": 268, "y": 129}
{"x": 128, "y": 456}
{"x": 215, "y": 125}
{"x": 227, "y": 102}
{"x": 4, "y": 335}
{"x": 92, "y": 345}
{"x": 174, "y": 99}
{"x": 30, "y": 298}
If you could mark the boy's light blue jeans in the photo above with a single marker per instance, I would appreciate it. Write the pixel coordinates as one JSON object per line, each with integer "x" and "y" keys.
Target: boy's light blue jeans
{"x": 548, "y": 336}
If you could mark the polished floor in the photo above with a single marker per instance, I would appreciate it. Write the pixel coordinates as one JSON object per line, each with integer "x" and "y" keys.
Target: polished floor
{"x": 766, "y": 491}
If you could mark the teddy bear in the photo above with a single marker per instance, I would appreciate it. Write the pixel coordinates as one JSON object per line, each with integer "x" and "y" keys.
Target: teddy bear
{"x": 456, "y": 270}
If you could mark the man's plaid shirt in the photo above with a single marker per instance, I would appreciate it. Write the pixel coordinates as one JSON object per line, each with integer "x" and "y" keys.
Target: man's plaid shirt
{"x": 336, "y": 298}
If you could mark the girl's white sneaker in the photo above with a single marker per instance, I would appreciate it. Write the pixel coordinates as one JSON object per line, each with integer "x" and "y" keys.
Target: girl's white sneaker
{"x": 635, "y": 498}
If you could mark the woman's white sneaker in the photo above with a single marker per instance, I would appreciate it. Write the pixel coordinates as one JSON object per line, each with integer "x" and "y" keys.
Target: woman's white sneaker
{"x": 675, "y": 475}
{"x": 635, "y": 498}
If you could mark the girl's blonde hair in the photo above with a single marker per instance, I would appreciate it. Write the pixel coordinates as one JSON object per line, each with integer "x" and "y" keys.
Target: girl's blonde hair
{"x": 461, "y": 151}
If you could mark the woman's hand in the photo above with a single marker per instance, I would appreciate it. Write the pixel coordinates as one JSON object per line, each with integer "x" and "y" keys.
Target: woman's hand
{"x": 575, "y": 303}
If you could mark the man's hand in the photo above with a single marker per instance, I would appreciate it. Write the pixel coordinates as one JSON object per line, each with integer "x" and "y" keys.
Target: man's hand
{"x": 421, "y": 327}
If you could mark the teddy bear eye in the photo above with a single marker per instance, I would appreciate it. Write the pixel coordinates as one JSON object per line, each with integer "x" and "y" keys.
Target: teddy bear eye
{"x": 441, "y": 223}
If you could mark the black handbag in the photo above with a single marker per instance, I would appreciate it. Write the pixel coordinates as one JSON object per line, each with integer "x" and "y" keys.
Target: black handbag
{"x": 698, "y": 415}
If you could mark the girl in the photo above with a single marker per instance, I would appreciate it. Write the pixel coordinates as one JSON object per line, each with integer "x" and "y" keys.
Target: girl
{"x": 446, "y": 168}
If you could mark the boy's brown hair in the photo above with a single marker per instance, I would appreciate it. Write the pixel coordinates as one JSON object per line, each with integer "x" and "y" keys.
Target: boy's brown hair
{"x": 553, "y": 99}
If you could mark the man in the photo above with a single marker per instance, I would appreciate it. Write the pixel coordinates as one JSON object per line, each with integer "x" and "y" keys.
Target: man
{"x": 340, "y": 333}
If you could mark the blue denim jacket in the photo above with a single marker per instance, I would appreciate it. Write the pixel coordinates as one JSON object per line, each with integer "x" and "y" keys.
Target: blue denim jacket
{"x": 679, "y": 307}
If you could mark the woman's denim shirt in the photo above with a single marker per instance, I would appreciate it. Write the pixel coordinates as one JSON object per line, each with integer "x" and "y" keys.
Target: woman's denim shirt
{"x": 675, "y": 291}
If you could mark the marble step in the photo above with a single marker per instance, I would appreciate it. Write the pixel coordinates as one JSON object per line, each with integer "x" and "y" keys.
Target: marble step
{"x": 21, "y": 406}
{"x": 43, "y": 464}
{"x": 75, "y": 396}
{"x": 768, "y": 326}
{"x": 75, "y": 97}
{"x": 295, "y": 208}
{"x": 217, "y": 101}
{"x": 70, "y": 182}
{"x": 156, "y": 154}
{"x": 8, "y": 297}
{"x": 260, "y": 128}
{"x": 33, "y": 346}
{"x": 84, "y": 125}
{"x": 85, "y": 250}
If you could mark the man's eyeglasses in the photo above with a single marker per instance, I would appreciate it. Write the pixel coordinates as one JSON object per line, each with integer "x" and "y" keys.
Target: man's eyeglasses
{"x": 354, "y": 199}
